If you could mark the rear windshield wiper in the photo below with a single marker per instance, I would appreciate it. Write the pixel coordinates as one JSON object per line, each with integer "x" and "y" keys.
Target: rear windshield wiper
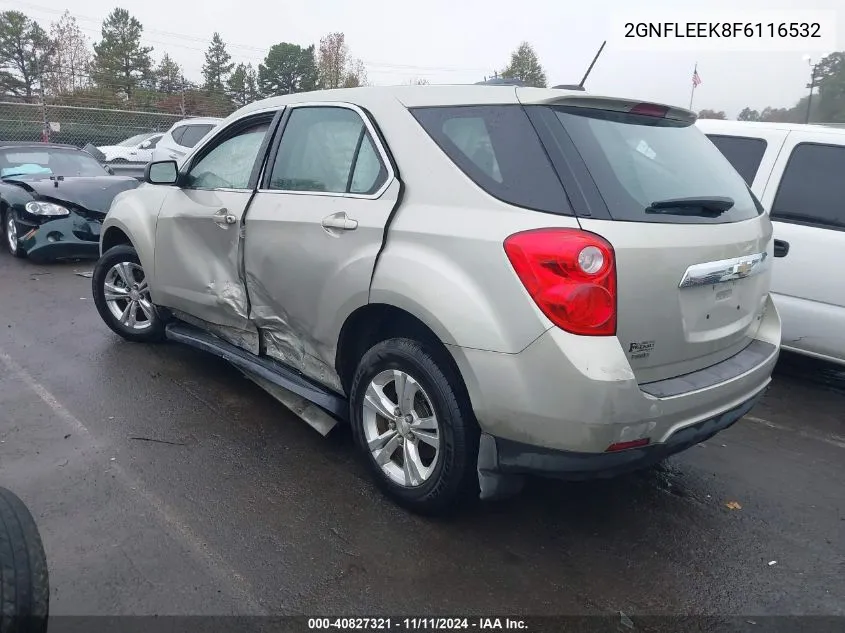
{"x": 705, "y": 207}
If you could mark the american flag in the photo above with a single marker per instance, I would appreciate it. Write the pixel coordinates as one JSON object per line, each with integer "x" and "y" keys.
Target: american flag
{"x": 695, "y": 78}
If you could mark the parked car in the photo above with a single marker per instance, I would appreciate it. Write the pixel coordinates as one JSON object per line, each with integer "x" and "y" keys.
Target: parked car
{"x": 136, "y": 149}
{"x": 798, "y": 172}
{"x": 181, "y": 137}
{"x": 484, "y": 281}
{"x": 53, "y": 199}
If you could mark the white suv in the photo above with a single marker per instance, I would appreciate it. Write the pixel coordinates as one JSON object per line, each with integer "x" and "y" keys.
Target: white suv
{"x": 182, "y": 137}
{"x": 797, "y": 172}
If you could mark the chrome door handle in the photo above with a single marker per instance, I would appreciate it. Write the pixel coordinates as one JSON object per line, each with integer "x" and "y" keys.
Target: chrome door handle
{"x": 224, "y": 218}
{"x": 339, "y": 221}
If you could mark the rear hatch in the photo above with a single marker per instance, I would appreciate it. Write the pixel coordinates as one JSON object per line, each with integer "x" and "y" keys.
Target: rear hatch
{"x": 690, "y": 239}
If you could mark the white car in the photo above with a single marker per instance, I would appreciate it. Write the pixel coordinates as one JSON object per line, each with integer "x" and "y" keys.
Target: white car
{"x": 182, "y": 137}
{"x": 135, "y": 149}
{"x": 798, "y": 173}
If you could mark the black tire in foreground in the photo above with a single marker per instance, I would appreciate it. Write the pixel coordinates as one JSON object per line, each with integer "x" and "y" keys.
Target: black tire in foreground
{"x": 24, "y": 578}
{"x": 435, "y": 417}
{"x": 123, "y": 298}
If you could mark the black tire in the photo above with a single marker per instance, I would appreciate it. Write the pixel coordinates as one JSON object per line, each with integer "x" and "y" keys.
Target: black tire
{"x": 24, "y": 577}
{"x": 454, "y": 482}
{"x": 17, "y": 251}
{"x": 116, "y": 255}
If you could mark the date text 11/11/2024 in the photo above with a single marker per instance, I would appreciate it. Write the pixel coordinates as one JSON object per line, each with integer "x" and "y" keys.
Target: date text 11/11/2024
{"x": 416, "y": 624}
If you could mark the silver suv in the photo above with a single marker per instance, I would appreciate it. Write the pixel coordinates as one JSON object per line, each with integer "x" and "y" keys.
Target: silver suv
{"x": 484, "y": 281}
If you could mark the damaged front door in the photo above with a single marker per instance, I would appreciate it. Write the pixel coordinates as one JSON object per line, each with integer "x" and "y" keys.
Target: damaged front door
{"x": 198, "y": 234}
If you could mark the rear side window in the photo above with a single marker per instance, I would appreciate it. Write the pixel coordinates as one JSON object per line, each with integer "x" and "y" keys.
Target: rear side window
{"x": 178, "y": 132}
{"x": 744, "y": 153}
{"x": 497, "y": 147}
{"x": 637, "y": 161}
{"x": 193, "y": 134}
{"x": 812, "y": 188}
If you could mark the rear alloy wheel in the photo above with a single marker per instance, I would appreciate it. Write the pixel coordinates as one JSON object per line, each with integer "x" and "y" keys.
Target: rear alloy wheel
{"x": 10, "y": 230}
{"x": 122, "y": 296}
{"x": 414, "y": 426}
{"x": 401, "y": 428}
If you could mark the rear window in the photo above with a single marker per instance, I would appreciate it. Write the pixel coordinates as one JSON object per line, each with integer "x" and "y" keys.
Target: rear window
{"x": 637, "y": 160}
{"x": 745, "y": 154}
{"x": 193, "y": 134}
{"x": 497, "y": 147}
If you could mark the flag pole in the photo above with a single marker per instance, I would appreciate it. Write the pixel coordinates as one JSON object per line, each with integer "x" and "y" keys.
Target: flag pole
{"x": 692, "y": 92}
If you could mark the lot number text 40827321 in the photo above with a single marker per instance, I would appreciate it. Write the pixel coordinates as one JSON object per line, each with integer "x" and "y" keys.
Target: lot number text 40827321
{"x": 416, "y": 624}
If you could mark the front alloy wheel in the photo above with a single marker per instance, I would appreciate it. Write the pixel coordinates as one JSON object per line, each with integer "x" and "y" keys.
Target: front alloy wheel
{"x": 128, "y": 296}
{"x": 122, "y": 296}
{"x": 401, "y": 428}
{"x": 11, "y": 230}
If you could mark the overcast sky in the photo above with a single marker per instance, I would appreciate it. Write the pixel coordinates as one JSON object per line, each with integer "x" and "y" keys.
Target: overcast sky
{"x": 460, "y": 41}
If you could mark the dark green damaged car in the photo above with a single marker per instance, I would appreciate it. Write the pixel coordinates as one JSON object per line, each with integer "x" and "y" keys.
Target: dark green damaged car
{"x": 53, "y": 199}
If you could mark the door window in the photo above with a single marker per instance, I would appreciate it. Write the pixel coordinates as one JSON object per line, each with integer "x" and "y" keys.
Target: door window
{"x": 812, "y": 188}
{"x": 327, "y": 149}
{"x": 229, "y": 164}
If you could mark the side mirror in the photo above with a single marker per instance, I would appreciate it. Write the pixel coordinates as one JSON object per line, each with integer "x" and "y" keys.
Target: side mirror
{"x": 161, "y": 172}
{"x": 144, "y": 145}
{"x": 109, "y": 169}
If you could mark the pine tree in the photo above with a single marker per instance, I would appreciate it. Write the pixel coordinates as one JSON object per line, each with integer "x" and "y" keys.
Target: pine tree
{"x": 218, "y": 65}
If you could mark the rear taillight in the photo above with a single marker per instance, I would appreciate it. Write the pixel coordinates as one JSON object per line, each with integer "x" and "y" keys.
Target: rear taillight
{"x": 571, "y": 275}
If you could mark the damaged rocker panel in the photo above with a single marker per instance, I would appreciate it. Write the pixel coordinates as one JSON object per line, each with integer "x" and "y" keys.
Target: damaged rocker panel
{"x": 264, "y": 368}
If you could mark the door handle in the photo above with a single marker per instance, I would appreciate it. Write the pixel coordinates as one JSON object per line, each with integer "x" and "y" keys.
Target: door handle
{"x": 224, "y": 218}
{"x": 339, "y": 221}
{"x": 781, "y": 248}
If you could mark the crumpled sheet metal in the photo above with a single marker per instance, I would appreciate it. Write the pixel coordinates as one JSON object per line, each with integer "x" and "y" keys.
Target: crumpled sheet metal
{"x": 244, "y": 338}
{"x": 287, "y": 341}
{"x": 318, "y": 419}
{"x": 230, "y": 295}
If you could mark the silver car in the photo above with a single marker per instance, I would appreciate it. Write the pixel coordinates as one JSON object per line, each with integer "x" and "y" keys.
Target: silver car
{"x": 486, "y": 282}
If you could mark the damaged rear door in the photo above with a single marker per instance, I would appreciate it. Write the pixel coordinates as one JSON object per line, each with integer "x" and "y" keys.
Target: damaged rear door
{"x": 313, "y": 233}
{"x": 198, "y": 233}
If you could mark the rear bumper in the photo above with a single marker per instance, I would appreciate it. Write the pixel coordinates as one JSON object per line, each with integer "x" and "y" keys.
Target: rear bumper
{"x": 577, "y": 395}
{"x": 70, "y": 237}
{"x": 499, "y": 456}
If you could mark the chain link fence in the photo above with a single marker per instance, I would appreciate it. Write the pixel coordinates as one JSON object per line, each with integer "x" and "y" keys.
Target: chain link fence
{"x": 78, "y": 126}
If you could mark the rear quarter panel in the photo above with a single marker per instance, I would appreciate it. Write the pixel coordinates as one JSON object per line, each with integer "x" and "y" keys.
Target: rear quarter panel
{"x": 444, "y": 259}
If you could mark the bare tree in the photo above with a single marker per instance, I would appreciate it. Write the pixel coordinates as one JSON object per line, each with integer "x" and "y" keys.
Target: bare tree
{"x": 356, "y": 74}
{"x": 332, "y": 60}
{"x": 71, "y": 57}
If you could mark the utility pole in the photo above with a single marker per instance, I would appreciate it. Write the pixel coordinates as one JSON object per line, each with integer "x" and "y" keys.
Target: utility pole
{"x": 812, "y": 85}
